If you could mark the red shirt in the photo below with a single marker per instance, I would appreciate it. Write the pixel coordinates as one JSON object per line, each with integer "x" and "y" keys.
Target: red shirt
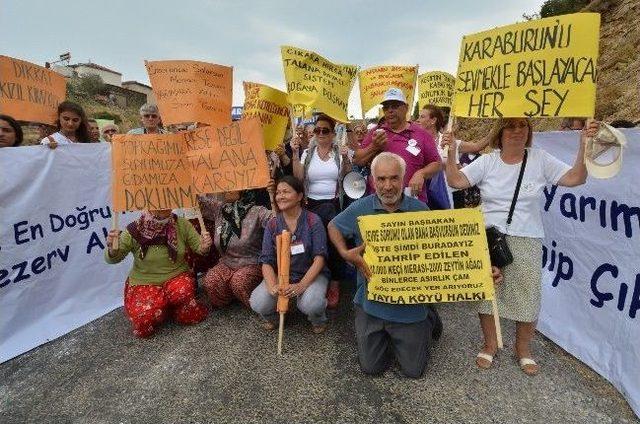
{"x": 422, "y": 146}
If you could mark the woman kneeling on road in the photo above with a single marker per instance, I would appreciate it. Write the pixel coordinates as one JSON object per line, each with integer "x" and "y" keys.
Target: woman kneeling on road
{"x": 159, "y": 282}
{"x": 308, "y": 272}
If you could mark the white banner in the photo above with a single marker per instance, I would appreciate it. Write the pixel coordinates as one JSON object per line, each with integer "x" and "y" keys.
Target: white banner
{"x": 54, "y": 215}
{"x": 591, "y": 266}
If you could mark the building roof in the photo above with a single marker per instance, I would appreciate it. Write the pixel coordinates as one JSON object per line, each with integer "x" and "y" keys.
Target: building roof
{"x": 136, "y": 82}
{"x": 95, "y": 66}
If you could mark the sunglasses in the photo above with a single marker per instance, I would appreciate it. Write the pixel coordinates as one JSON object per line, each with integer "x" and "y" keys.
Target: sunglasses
{"x": 320, "y": 130}
{"x": 393, "y": 106}
{"x": 516, "y": 125}
{"x": 109, "y": 131}
{"x": 150, "y": 115}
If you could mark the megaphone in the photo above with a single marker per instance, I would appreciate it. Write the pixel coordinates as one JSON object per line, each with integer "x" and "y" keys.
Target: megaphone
{"x": 354, "y": 185}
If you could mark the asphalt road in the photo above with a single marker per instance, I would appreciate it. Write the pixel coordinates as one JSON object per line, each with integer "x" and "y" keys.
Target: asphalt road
{"x": 226, "y": 370}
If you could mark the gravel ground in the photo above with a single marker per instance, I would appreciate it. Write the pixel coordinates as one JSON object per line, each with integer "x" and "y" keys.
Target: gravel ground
{"x": 226, "y": 370}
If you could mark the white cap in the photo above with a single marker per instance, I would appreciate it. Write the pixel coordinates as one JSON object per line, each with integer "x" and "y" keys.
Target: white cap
{"x": 394, "y": 94}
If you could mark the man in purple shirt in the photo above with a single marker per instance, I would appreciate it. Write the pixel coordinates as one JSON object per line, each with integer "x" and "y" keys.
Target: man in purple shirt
{"x": 406, "y": 139}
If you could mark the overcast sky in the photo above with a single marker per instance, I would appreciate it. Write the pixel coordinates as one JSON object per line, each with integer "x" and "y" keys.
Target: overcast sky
{"x": 121, "y": 34}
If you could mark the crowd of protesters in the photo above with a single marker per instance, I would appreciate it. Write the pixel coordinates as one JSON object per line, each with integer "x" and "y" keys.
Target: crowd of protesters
{"x": 408, "y": 166}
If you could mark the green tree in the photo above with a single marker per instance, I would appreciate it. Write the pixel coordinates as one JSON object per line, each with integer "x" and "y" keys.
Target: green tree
{"x": 561, "y": 7}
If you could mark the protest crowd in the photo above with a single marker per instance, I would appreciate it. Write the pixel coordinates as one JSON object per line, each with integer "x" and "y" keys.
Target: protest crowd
{"x": 226, "y": 246}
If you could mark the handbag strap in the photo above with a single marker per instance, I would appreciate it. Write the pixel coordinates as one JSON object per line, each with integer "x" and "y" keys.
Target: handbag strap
{"x": 515, "y": 194}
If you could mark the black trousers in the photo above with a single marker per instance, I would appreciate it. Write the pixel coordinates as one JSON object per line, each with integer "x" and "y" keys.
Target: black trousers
{"x": 327, "y": 210}
{"x": 380, "y": 341}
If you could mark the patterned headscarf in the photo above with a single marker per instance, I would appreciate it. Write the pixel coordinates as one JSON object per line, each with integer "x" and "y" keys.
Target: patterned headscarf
{"x": 233, "y": 214}
{"x": 151, "y": 231}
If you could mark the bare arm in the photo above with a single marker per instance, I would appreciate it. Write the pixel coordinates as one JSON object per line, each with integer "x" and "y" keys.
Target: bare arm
{"x": 455, "y": 177}
{"x": 577, "y": 175}
{"x": 269, "y": 275}
{"x": 353, "y": 256}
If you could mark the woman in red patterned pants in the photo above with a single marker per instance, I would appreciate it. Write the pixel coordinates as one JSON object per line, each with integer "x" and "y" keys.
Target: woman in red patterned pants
{"x": 159, "y": 284}
{"x": 238, "y": 227}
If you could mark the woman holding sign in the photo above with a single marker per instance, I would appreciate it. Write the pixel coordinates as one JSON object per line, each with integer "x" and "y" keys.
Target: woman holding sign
{"x": 238, "y": 228}
{"x": 497, "y": 176}
{"x": 71, "y": 126}
{"x": 322, "y": 167}
{"x": 309, "y": 276}
{"x": 159, "y": 283}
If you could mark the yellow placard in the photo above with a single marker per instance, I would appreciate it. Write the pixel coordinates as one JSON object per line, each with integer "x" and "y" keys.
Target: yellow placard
{"x": 167, "y": 171}
{"x": 191, "y": 91}
{"x": 427, "y": 257}
{"x": 540, "y": 68}
{"x": 316, "y": 84}
{"x": 270, "y": 106}
{"x": 29, "y": 92}
{"x": 375, "y": 81}
{"x": 435, "y": 88}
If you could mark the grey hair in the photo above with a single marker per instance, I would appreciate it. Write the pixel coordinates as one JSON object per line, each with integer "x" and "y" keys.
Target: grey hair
{"x": 149, "y": 108}
{"x": 386, "y": 157}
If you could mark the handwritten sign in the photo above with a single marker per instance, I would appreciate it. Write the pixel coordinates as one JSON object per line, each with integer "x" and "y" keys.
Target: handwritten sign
{"x": 227, "y": 158}
{"x": 270, "y": 106}
{"x": 427, "y": 257}
{"x": 541, "y": 68}
{"x": 29, "y": 92}
{"x": 375, "y": 81}
{"x": 168, "y": 171}
{"x": 315, "y": 83}
{"x": 435, "y": 88}
{"x": 191, "y": 91}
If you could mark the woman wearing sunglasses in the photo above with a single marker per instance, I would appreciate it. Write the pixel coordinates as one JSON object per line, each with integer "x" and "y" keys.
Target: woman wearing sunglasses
{"x": 322, "y": 167}
{"x": 151, "y": 123}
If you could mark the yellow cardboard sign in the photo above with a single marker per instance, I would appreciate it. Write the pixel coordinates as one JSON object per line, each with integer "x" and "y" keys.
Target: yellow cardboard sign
{"x": 375, "y": 81}
{"x": 316, "y": 84}
{"x": 270, "y": 106}
{"x": 427, "y": 257}
{"x": 435, "y": 88}
{"x": 540, "y": 68}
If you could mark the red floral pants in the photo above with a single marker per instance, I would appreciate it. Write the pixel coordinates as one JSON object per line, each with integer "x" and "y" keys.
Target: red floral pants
{"x": 224, "y": 284}
{"x": 147, "y": 306}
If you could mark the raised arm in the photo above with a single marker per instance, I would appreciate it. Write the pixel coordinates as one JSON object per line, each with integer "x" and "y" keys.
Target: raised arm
{"x": 455, "y": 178}
{"x": 577, "y": 175}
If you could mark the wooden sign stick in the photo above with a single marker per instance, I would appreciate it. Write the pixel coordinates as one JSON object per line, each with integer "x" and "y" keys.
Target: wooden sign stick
{"x": 496, "y": 320}
{"x": 284, "y": 262}
{"x": 115, "y": 226}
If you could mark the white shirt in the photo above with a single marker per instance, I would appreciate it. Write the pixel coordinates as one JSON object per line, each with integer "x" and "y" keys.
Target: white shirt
{"x": 497, "y": 182}
{"x": 58, "y": 137}
{"x": 322, "y": 176}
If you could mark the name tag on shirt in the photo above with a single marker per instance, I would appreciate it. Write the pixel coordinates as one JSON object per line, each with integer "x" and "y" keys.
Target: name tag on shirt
{"x": 415, "y": 151}
{"x": 297, "y": 248}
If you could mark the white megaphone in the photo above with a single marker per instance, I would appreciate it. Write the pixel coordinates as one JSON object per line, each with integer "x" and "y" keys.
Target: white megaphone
{"x": 607, "y": 146}
{"x": 354, "y": 185}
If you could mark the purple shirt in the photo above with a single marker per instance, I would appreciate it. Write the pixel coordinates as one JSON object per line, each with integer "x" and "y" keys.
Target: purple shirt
{"x": 309, "y": 232}
{"x": 397, "y": 142}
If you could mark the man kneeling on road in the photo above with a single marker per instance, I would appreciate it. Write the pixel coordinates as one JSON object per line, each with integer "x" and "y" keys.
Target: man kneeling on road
{"x": 383, "y": 329}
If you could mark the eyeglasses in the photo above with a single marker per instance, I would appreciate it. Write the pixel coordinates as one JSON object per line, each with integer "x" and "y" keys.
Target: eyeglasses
{"x": 150, "y": 115}
{"x": 109, "y": 131}
{"x": 321, "y": 130}
{"x": 392, "y": 105}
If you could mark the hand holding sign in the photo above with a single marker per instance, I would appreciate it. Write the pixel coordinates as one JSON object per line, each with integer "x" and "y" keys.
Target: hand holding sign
{"x": 354, "y": 257}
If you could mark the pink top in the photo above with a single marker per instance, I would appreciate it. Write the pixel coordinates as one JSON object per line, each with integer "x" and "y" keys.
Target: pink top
{"x": 420, "y": 142}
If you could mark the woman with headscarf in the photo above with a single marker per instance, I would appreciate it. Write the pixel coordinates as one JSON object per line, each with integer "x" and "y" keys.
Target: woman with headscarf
{"x": 237, "y": 224}
{"x": 160, "y": 282}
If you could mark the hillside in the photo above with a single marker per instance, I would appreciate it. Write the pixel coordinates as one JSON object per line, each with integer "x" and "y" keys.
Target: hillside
{"x": 618, "y": 91}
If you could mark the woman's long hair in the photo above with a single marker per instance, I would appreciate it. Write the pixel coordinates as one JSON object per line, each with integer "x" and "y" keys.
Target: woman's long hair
{"x": 82, "y": 133}
{"x": 17, "y": 129}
